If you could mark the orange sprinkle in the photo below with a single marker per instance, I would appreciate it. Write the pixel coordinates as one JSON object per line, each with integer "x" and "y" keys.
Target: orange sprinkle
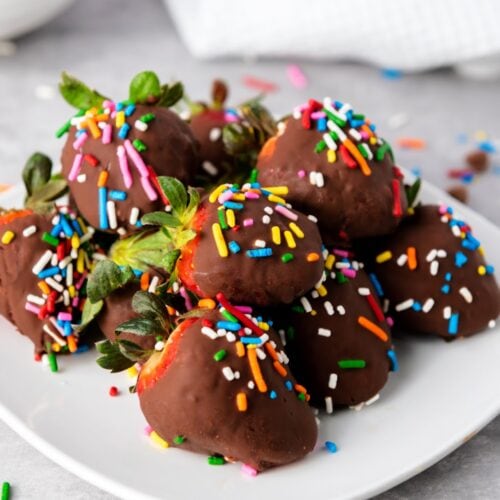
{"x": 145, "y": 281}
{"x": 257, "y": 374}
{"x": 44, "y": 287}
{"x": 412, "y": 258}
{"x": 103, "y": 179}
{"x": 367, "y": 129}
{"x": 411, "y": 143}
{"x": 16, "y": 214}
{"x": 101, "y": 118}
{"x": 268, "y": 148}
{"x": 171, "y": 310}
{"x": 240, "y": 349}
{"x": 373, "y": 328}
{"x": 94, "y": 129}
{"x": 72, "y": 343}
{"x": 206, "y": 304}
{"x": 363, "y": 165}
{"x": 300, "y": 388}
{"x": 241, "y": 401}
{"x": 280, "y": 368}
{"x": 312, "y": 257}
{"x": 272, "y": 351}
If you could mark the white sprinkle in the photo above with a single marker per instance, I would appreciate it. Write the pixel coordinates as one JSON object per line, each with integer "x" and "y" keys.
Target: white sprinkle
{"x": 442, "y": 254}
{"x": 159, "y": 345}
{"x": 428, "y": 305}
{"x": 110, "y": 205}
{"x": 251, "y": 384}
{"x": 42, "y": 262}
{"x": 329, "y": 308}
{"x": 285, "y": 359}
{"x": 266, "y": 219}
{"x": 329, "y": 404}
{"x": 281, "y": 128}
{"x": 121, "y": 231}
{"x": 210, "y": 168}
{"x": 402, "y": 259}
{"x": 364, "y": 291}
{"x": 431, "y": 255}
{"x": 54, "y": 284}
{"x": 206, "y": 330}
{"x": 456, "y": 231}
{"x": 342, "y": 265}
{"x": 154, "y": 283}
{"x": 47, "y": 330}
{"x": 385, "y": 305}
{"x": 324, "y": 332}
{"x": 231, "y": 337}
{"x": 341, "y": 310}
{"x": 35, "y": 299}
{"x": 185, "y": 115}
{"x": 81, "y": 178}
{"x": 140, "y": 125}
{"x": 28, "y": 231}
{"x": 58, "y": 277}
{"x": 221, "y": 332}
{"x": 69, "y": 274}
{"x": 306, "y": 304}
{"x": 312, "y": 178}
{"x": 134, "y": 215}
{"x": 228, "y": 373}
{"x": 268, "y": 210}
{"x": 320, "y": 180}
{"x": 434, "y": 267}
{"x": 66, "y": 297}
{"x": 282, "y": 335}
{"x": 357, "y": 407}
{"x": 447, "y": 312}
{"x": 397, "y": 120}
{"x": 260, "y": 354}
{"x": 407, "y": 304}
{"x": 330, "y": 143}
{"x": 465, "y": 293}
{"x": 259, "y": 243}
{"x": 215, "y": 134}
{"x": 237, "y": 375}
{"x": 53, "y": 260}
{"x": 332, "y": 381}
{"x": 355, "y": 134}
{"x": 314, "y": 294}
{"x": 312, "y": 218}
{"x": 492, "y": 323}
{"x": 372, "y": 400}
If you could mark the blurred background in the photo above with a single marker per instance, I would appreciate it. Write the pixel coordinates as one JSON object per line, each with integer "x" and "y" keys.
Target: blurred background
{"x": 427, "y": 73}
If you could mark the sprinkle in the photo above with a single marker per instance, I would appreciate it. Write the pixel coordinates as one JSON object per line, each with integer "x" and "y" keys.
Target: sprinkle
{"x": 466, "y": 294}
{"x": 136, "y": 158}
{"x": 352, "y": 363}
{"x": 124, "y": 168}
{"x": 324, "y": 332}
{"x": 412, "y": 258}
{"x": 8, "y": 236}
{"x": 228, "y": 373}
{"x": 434, "y": 267}
{"x": 257, "y": 253}
{"x": 139, "y": 145}
{"x": 42, "y": 262}
{"x": 147, "y": 118}
{"x": 407, "y": 304}
{"x": 158, "y": 440}
{"x": 331, "y": 447}
{"x": 220, "y": 242}
{"x": 117, "y": 195}
{"x": 79, "y": 141}
{"x": 296, "y": 76}
{"x": 329, "y": 404}
{"x": 428, "y": 305}
{"x": 76, "y": 166}
{"x": 210, "y": 168}
{"x": 215, "y": 134}
{"x": 255, "y": 368}
{"x": 329, "y": 308}
{"x": 248, "y": 470}
{"x": 248, "y": 222}
{"x": 103, "y": 215}
{"x": 393, "y": 360}
{"x": 332, "y": 380}
{"x": 234, "y": 247}
{"x": 447, "y": 312}
{"x": 453, "y": 324}
{"x": 148, "y": 189}
{"x": 134, "y": 216}
{"x": 286, "y": 212}
{"x": 209, "y": 332}
{"x": 5, "y": 491}
{"x": 290, "y": 240}
{"x": 220, "y": 355}
{"x": 140, "y": 125}
{"x": 113, "y": 391}
{"x": 179, "y": 439}
{"x": 383, "y": 257}
{"x": 287, "y": 257}
{"x": 373, "y": 328}
{"x": 259, "y": 84}
{"x": 276, "y": 235}
{"x": 411, "y": 143}
{"x": 52, "y": 362}
{"x": 492, "y": 323}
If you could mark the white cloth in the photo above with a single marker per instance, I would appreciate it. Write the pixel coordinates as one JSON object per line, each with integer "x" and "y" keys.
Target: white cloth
{"x": 408, "y": 35}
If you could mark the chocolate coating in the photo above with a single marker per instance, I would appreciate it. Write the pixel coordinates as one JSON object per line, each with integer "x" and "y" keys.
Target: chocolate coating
{"x": 171, "y": 150}
{"x": 193, "y": 399}
{"x": 455, "y": 276}
{"x": 259, "y": 281}
{"x": 330, "y": 332}
{"x": 350, "y": 204}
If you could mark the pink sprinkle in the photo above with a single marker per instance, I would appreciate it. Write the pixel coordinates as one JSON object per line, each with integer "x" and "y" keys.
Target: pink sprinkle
{"x": 296, "y": 76}
{"x": 148, "y": 189}
{"x": 32, "y": 308}
{"x": 230, "y": 118}
{"x": 317, "y": 115}
{"x": 364, "y": 135}
{"x": 389, "y": 321}
{"x": 248, "y": 222}
{"x": 136, "y": 158}
{"x": 259, "y": 84}
{"x": 287, "y": 213}
{"x": 75, "y": 168}
{"x": 244, "y": 309}
{"x": 64, "y": 316}
{"x": 301, "y": 173}
{"x": 225, "y": 196}
{"x": 108, "y": 105}
{"x": 106, "y": 133}
{"x": 80, "y": 282}
{"x": 248, "y": 470}
{"x": 148, "y": 430}
{"x": 80, "y": 140}
{"x": 252, "y": 195}
{"x": 75, "y": 301}
{"x": 442, "y": 209}
{"x": 123, "y": 162}
{"x": 349, "y": 273}
{"x": 187, "y": 299}
{"x": 341, "y": 253}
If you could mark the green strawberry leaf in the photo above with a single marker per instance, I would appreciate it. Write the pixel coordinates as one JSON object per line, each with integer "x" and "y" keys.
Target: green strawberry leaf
{"x": 145, "y": 88}
{"x": 197, "y": 312}
{"x": 106, "y": 278}
{"x": 50, "y": 191}
{"x": 171, "y": 95}
{"x": 175, "y": 192}
{"x": 141, "y": 326}
{"x": 36, "y": 172}
{"x": 77, "y": 94}
{"x": 112, "y": 357}
{"x": 185, "y": 237}
{"x": 161, "y": 219}
{"x": 412, "y": 192}
{"x": 149, "y": 306}
{"x": 133, "y": 352}
{"x": 192, "y": 206}
{"x": 89, "y": 313}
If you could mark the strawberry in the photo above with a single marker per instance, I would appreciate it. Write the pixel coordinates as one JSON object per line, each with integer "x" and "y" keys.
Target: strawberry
{"x": 115, "y": 150}
{"x": 220, "y": 386}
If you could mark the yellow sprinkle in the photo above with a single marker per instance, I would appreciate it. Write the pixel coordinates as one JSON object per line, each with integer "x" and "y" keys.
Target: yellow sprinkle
{"x": 313, "y": 312}
{"x": 481, "y": 270}
{"x": 82, "y": 225}
{"x": 276, "y": 235}
{"x": 56, "y": 347}
{"x": 241, "y": 401}
{"x": 238, "y": 197}
{"x": 44, "y": 287}
{"x": 290, "y": 240}
{"x": 373, "y": 140}
{"x": 91, "y": 111}
{"x": 7, "y": 237}
{"x": 80, "y": 266}
{"x": 279, "y": 190}
{"x": 230, "y": 217}
{"x": 480, "y": 135}
{"x": 132, "y": 372}
{"x": 216, "y": 192}
{"x": 158, "y": 440}
{"x": 276, "y": 199}
{"x": 220, "y": 242}
{"x": 72, "y": 291}
{"x": 384, "y": 257}
{"x": 322, "y": 290}
{"x": 312, "y": 257}
{"x": 331, "y": 156}
{"x": 296, "y": 229}
{"x": 120, "y": 119}
{"x": 263, "y": 326}
{"x": 75, "y": 241}
{"x": 330, "y": 260}
{"x": 481, "y": 251}
{"x": 411, "y": 211}
{"x": 206, "y": 304}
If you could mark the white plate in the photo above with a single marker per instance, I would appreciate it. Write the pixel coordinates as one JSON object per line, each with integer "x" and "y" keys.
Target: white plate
{"x": 443, "y": 394}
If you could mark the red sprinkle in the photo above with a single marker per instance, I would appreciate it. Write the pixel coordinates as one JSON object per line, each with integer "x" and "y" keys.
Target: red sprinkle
{"x": 396, "y": 210}
{"x": 397, "y": 172}
{"x": 91, "y": 160}
{"x": 458, "y": 173}
{"x": 153, "y": 177}
{"x": 37, "y": 357}
{"x": 113, "y": 391}
{"x": 207, "y": 322}
{"x": 346, "y": 156}
{"x": 375, "y": 308}
{"x": 259, "y": 84}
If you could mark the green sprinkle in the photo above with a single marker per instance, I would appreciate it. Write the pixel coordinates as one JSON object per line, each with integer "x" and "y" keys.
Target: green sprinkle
{"x": 334, "y": 118}
{"x": 298, "y": 309}
{"x": 220, "y": 355}
{"x": 148, "y": 117}
{"x": 222, "y": 218}
{"x": 358, "y": 116}
{"x": 229, "y": 316}
{"x": 301, "y": 396}
{"x": 352, "y": 363}
{"x": 64, "y": 129}
{"x": 321, "y": 146}
{"x": 215, "y": 460}
{"x": 5, "y": 491}
{"x": 334, "y": 135}
{"x": 341, "y": 278}
{"x": 179, "y": 439}
{"x": 253, "y": 175}
{"x": 362, "y": 150}
{"x": 52, "y": 362}
{"x": 51, "y": 240}
{"x": 287, "y": 257}
{"x": 385, "y": 148}
{"x": 290, "y": 333}
{"x": 139, "y": 145}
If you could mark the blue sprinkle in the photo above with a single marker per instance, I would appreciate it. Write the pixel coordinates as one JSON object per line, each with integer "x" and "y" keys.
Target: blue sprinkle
{"x": 234, "y": 247}
{"x": 116, "y": 195}
{"x": 391, "y": 73}
{"x": 349, "y": 114}
{"x": 63, "y": 272}
{"x": 372, "y": 127}
{"x": 68, "y": 230}
{"x": 489, "y": 269}
{"x": 321, "y": 125}
{"x": 393, "y": 359}
{"x": 496, "y": 169}
{"x": 124, "y": 130}
{"x": 228, "y": 325}
{"x": 46, "y": 273}
{"x": 255, "y": 185}
{"x": 445, "y": 289}
{"x": 487, "y": 147}
{"x": 137, "y": 272}
{"x": 103, "y": 214}
{"x": 460, "y": 259}
{"x": 67, "y": 329}
{"x": 56, "y": 230}
{"x": 417, "y": 306}
{"x": 129, "y": 109}
{"x": 376, "y": 284}
{"x": 77, "y": 227}
{"x": 273, "y": 395}
{"x": 289, "y": 385}
{"x": 453, "y": 324}
{"x": 338, "y": 104}
{"x": 257, "y": 253}
{"x": 416, "y": 171}
{"x": 447, "y": 276}
{"x": 120, "y": 106}
{"x": 80, "y": 132}
{"x": 138, "y": 224}
{"x": 250, "y": 340}
{"x": 82, "y": 348}
{"x": 234, "y": 205}
{"x": 60, "y": 323}
{"x": 356, "y": 123}
{"x": 331, "y": 446}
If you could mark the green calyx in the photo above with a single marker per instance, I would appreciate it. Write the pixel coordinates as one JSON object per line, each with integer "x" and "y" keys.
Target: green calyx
{"x": 412, "y": 192}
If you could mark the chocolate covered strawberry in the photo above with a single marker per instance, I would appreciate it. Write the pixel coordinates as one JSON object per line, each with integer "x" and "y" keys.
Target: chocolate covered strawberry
{"x": 221, "y": 386}
{"x": 115, "y": 150}
{"x": 245, "y": 242}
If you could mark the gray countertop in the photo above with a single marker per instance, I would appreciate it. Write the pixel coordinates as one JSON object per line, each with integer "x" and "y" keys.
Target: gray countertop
{"x": 105, "y": 43}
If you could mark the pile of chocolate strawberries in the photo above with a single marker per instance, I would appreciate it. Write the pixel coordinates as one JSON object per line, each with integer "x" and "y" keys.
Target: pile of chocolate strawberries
{"x": 247, "y": 269}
